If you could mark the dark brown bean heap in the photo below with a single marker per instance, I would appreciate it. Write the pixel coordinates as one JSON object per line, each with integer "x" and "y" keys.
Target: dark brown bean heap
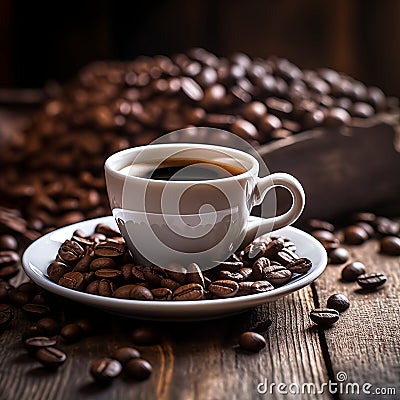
{"x": 104, "y": 267}
{"x": 111, "y": 106}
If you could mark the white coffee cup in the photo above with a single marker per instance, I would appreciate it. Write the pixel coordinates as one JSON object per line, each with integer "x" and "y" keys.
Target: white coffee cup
{"x": 184, "y": 221}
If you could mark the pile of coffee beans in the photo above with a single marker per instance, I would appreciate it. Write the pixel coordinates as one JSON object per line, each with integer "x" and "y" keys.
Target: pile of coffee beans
{"x": 54, "y": 171}
{"x": 101, "y": 264}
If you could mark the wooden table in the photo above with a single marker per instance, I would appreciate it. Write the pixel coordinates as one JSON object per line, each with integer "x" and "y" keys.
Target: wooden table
{"x": 200, "y": 360}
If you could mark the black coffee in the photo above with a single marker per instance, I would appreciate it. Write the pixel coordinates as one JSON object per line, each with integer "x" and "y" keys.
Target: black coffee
{"x": 184, "y": 170}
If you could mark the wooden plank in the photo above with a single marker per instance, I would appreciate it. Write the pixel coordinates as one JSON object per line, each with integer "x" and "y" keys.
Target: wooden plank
{"x": 196, "y": 360}
{"x": 365, "y": 342}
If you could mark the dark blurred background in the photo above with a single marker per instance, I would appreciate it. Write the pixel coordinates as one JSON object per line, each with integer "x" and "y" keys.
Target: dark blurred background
{"x": 54, "y": 39}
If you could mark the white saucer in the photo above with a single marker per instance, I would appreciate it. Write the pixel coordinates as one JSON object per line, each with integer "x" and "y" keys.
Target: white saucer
{"x": 40, "y": 253}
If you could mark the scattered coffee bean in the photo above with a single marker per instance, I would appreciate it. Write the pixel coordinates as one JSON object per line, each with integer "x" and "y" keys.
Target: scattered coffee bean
{"x": 317, "y": 224}
{"x": 145, "y": 336}
{"x": 338, "y": 302}
{"x": 71, "y": 333}
{"x": 48, "y": 326}
{"x": 6, "y": 315}
{"x": 51, "y": 357}
{"x": 371, "y": 281}
{"x": 323, "y": 235}
{"x": 124, "y": 354}
{"x": 138, "y": 368}
{"x": 252, "y": 341}
{"x": 324, "y": 316}
{"x": 352, "y": 271}
{"x": 8, "y": 242}
{"x": 390, "y": 245}
{"x": 104, "y": 370}
{"x": 355, "y": 235}
{"x": 33, "y": 344}
{"x": 36, "y": 311}
{"x": 338, "y": 256}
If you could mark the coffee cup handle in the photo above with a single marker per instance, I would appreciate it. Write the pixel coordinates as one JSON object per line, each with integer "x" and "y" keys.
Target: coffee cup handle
{"x": 263, "y": 186}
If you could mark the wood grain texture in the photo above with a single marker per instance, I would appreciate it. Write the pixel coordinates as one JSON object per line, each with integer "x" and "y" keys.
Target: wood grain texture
{"x": 365, "y": 342}
{"x": 196, "y": 360}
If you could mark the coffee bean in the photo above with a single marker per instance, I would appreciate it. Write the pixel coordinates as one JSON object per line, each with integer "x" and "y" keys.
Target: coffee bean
{"x": 277, "y": 275}
{"x": 274, "y": 247}
{"x": 244, "y": 129}
{"x": 145, "y": 336}
{"x": 324, "y": 316}
{"x": 56, "y": 270}
{"x": 252, "y": 341}
{"x": 233, "y": 276}
{"x": 371, "y": 281}
{"x": 261, "y": 287}
{"x": 71, "y": 252}
{"x": 9, "y": 264}
{"x": 285, "y": 256}
{"x": 367, "y": 228}
{"x": 18, "y": 297}
{"x": 6, "y": 315}
{"x": 259, "y": 266}
{"x": 191, "y": 89}
{"x": 48, "y": 326}
{"x": 299, "y": 266}
{"x": 72, "y": 280}
{"x": 188, "y": 292}
{"x": 104, "y": 370}
{"x": 224, "y": 288}
{"x": 338, "y": 256}
{"x": 317, "y": 224}
{"x": 367, "y": 217}
{"x": 106, "y": 287}
{"x": 337, "y": 116}
{"x": 253, "y": 251}
{"x": 162, "y": 293}
{"x": 51, "y": 357}
{"x": 71, "y": 333}
{"x": 124, "y": 354}
{"x": 169, "y": 284}
{"x": 83, "y": 264}
{"x": 109, "y": 249}
{"x": 254, "y": 111}
{"x": 106, "y": 230}
{"x": 8, "y": 242}
{"x": 86, "y": 325}
{"x": 153, "y": 274}
{"x": 353, "y": 270}
{"x": 36, "y": 311}
{"x": 109, "y": 274}
{"x": 390, "y": 245}
{"x": 338, "y": 302}
{"x": 133, "y": 292}
{"x": 33, "y": 344}
{"x": 323, "y": 235}
{"x": 138, "y": 368}
{"x": 194, "y": 275}
{"x": 386, "y": 227}
{"x": 355, "y": 235}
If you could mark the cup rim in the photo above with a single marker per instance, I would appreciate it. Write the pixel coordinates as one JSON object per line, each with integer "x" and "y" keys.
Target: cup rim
{"x": 111, "y": 160}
